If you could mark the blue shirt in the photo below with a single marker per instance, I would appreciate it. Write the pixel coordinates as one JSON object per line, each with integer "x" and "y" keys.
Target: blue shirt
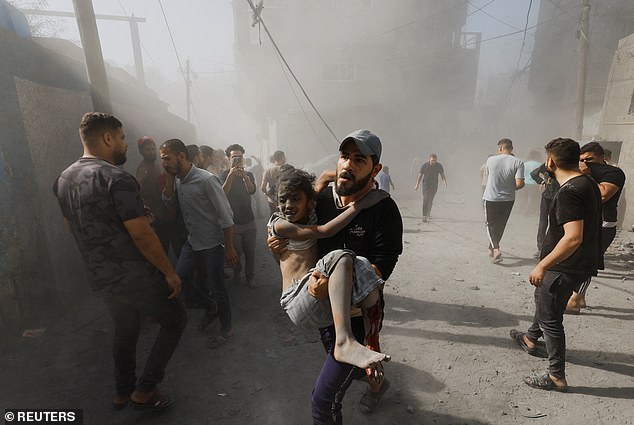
{"x": 205, "y": 208}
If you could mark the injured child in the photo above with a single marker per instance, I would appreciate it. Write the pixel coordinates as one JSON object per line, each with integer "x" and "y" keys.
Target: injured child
{"x": 351, "y": 279}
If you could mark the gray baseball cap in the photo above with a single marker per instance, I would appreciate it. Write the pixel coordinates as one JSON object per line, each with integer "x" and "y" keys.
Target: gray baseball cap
{"x": 367, "y": 142}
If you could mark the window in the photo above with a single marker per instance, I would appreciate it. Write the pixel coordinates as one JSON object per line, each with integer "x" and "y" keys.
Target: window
{"x": 339, "y": 72}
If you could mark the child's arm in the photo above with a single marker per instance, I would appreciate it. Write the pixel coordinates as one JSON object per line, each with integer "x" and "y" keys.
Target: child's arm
{"x": 285, "y": 229}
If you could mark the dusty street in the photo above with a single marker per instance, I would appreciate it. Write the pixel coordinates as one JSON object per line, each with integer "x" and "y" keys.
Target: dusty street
{"x": 448, "y": 316}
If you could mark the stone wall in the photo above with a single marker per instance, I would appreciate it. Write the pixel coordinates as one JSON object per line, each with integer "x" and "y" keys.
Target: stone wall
{"x": 617, "y": 122}
{"x": 44, "y": 94}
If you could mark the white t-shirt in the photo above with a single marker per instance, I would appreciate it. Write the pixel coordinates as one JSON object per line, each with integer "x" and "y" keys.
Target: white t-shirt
{"x": 503, "y": 170}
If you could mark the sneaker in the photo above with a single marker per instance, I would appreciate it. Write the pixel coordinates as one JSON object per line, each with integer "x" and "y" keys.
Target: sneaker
{"x": 424, "y": 219}
{"x": 251, "y": 283}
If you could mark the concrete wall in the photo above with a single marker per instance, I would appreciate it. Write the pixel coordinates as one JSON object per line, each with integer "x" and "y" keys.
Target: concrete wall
{"x": 44, "y": 94}
{"x": 617, "y": 122}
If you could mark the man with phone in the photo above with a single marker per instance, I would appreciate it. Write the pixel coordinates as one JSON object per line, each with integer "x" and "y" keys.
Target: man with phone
{"x": 239, "y": 186}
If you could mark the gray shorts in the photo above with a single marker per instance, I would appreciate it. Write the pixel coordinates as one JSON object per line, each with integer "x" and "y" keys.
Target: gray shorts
{"x": 308, "y": 312}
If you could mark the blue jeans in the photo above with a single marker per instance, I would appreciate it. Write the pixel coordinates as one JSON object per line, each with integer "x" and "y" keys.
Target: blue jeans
{"x": 214, "y": 259}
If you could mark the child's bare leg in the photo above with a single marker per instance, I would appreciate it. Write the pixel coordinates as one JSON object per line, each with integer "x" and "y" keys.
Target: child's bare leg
{"x": 372, "y": 315}
{"x": 347, "y": 349}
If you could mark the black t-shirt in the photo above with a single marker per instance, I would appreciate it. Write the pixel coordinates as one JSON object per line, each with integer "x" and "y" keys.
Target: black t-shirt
{"x": 541, "y": 175}
{"x": 430, "y": 175}
{"x": 239, "y": 198}
{"x": 604, "y": 173}
{"x": 376, "y": 233}
{"x": 578, "y": 199}
{"x": 96, "y": 198}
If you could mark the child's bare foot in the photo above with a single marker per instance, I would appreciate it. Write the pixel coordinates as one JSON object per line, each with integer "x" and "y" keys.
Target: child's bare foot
{"x": 351, "y": 352}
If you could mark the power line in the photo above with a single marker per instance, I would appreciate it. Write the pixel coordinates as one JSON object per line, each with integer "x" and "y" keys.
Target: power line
{"x": 299, "y": 103}
{"x": 528, "y": 14}
{"x": 258, "y": 19}
{"x": 489, "y": 15}
{"x": 169, "y": 30}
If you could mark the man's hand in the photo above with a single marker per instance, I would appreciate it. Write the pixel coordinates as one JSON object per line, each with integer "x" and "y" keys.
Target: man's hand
{"x": 583, "y": 167}
{"x": 231, "y": 256}
{"x": 318, "y": 286}
{"x": 277, "y": 246}
{"x": 175, "y": 285}
{"x": 537, "y": 276}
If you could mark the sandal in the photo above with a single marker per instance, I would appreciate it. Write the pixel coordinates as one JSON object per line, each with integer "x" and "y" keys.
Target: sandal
{"x": 120, "y": 401}
{"x": 219, "y": 340}
{"x": 208, "y": 317}
{"x": 518, "y": 337}
{"x": 371, "y": 399}
{"x": 543, "y": 382}
{"x": 156, "y": 401}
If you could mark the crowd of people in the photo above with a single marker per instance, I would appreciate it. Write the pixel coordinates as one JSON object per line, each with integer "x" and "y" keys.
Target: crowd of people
{"x": 337, "y": 240}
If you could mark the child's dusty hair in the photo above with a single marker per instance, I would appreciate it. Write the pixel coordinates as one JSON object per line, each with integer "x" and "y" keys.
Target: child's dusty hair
{"x": 292, "y": 180}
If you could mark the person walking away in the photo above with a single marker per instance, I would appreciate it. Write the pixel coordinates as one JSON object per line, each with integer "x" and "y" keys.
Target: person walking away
{"x": 429, "y": 173}
{"x": 506, "y": 175}
{"x": 570, "y": 255}
{"x": 239, "y": 186}
{"x": 127, "y": 267}
{"x": 610, "y": 181}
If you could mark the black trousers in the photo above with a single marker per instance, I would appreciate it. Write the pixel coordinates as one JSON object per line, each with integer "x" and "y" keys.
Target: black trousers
{"x": 550, "y": 303}
{"x": 428, "y": 200}
{"x": 496, "y": 214}
{"x": 127, "y": 313}
{"x": 607, "y": 236}
{"x": 544, "y": 207}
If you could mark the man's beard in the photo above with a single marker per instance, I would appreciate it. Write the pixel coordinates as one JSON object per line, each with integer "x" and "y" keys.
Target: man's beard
{"x": 120, "y": 158}
{"x": 355, "y": 187}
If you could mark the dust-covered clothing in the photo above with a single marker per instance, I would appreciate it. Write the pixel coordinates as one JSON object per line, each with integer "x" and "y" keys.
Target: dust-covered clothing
{"x": 205, "y": 208}
{"x": 306, "y": 311}
{"x": 578, "y": 199}
{"x": 503, "y": 170}
{"x": 96, "y": 198}
{"x": 430, "y": 173}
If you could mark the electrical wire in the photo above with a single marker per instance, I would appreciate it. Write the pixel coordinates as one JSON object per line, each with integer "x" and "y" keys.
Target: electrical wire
{"x": 259, "y": 20}
{"x": 528, "y": 14}
{"x": 489, "y": 15}
{"x": 299, "y": 103}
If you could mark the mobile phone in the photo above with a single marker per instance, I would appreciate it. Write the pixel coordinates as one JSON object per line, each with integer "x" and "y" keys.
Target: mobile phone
{"x": 236, "y": 162}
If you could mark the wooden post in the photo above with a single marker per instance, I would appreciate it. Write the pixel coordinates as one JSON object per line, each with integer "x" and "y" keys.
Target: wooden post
{"x": 136, "y": 48}
{"x": 92, "y": 53}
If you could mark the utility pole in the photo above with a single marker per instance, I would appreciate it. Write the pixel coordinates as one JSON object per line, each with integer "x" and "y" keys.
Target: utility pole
{"x": 188, "y": 83}
{"x": 584, "y": 34}
{"x": 136, "y": 48}
{"x": 93, "y": 55}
